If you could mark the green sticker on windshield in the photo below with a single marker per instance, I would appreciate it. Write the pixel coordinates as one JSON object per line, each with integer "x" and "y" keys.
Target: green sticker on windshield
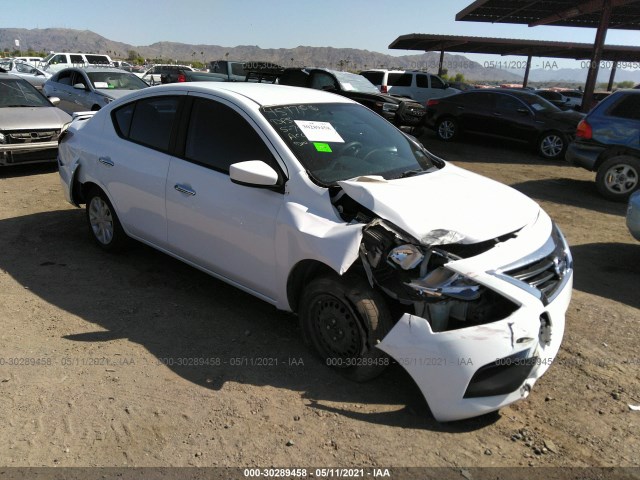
{"x": 322, "y": 147}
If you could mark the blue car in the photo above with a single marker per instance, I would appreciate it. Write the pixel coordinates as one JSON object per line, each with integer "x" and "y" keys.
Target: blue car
{"x": 633, "y": 215}
{"x": 608, "y": 142}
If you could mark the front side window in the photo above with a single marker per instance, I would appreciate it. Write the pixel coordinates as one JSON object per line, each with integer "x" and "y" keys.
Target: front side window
{"x": 340, "y": 141}
{"x": 436, "y": 82}
{"x": 64, "y": 78}
{"x": 218, "y": 137}
{"x": 58, "y": 59}
{"x": 507, "y": 103}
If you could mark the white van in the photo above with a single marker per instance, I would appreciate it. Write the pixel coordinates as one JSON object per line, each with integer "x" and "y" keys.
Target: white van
{"x": 418, "y": 85}
{"x": 55, "y": 62}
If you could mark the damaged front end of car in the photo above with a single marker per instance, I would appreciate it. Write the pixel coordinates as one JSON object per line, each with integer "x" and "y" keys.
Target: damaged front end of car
{"x": 478, "y": 322}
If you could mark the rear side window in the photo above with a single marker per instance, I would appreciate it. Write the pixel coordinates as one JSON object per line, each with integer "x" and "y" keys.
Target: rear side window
{"x": 219, "y": 137}
{"x": 77, "y": 59}
{"x": 399, "y": 80}
{"x": 373, "y": 77}
{"x": 148, "y": 121}
{"x": 628, "y": 107}
{"x": 422, "y": 81}
{"x": 97, "y": 59}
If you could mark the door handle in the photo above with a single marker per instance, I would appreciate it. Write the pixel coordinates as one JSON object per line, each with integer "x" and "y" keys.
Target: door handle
{"x": 106, "y": 161}
{"x": 459, "y": 107}
{"x": 184, "y": 189}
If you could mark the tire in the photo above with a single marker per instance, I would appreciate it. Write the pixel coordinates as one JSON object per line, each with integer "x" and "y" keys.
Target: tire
{"x": 447, "y": 129}
{"x": 552, "y": 145}
{"x": 343, "y": 318}
{"x": 103, "y": 222}
{"x": 618, "y": 177}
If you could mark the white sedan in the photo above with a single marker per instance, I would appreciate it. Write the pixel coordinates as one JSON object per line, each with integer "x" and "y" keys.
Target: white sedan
{"x": 319, "y": 206}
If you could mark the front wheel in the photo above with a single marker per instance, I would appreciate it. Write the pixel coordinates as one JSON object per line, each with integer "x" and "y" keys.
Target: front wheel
{"x": 343, "y": 318}
{"x": 103, "y": 221}
{"x": 552, "y": 145}
{"x": 447, "y": 129}
{"x": 617, "y": 177}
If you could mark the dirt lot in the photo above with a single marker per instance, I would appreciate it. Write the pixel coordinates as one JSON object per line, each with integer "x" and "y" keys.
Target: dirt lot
{"x": 99, "y": 341}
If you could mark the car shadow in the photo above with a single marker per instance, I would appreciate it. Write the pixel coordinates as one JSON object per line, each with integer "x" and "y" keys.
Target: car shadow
{"x": 609, "y": 270}
{"x": 177, "y": 312}
{"x": 14, "y": 171}
{"x": 568, "y": 191}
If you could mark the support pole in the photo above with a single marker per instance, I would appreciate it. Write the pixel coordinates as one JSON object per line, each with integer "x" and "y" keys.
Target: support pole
{"x": 441, "y": 63}
{"x": 601, "y": 34}
{"x": 612, "y": 76}
{"x": 526, "y": 73}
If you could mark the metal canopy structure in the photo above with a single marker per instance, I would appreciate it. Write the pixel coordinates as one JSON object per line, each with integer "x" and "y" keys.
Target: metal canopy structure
{"x": 508, "y": 46}
{"x": 625, "y": 14}
{"x": 600, "y": 14}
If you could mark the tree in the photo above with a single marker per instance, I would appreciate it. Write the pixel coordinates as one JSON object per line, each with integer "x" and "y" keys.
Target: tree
{"x": 132, "y": 55}
{"x": 625, "y": 84}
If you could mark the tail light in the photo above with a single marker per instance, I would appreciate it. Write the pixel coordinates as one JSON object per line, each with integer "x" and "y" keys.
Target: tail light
{"x": 432, "y": 103}
{"x": 182, "y": 77}
{"x": 383, "y": 89}
{"x": 584, "y": 130}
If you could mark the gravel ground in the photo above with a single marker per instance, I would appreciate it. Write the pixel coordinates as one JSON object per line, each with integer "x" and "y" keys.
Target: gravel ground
{"x": 99, "y": 341}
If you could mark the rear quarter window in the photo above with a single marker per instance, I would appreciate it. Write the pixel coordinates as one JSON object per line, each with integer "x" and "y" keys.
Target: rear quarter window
{"x": 627, "y": 107}
{"x": 399, "y": 80}
{"x": 374, "y": 77}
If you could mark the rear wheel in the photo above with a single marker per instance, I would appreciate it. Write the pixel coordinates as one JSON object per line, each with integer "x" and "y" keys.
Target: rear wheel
{"x": 618, "y": 177}
{"x": 447, "y": 129}
{"x": 103, "y": 221}
{"x": 343, "y": 318}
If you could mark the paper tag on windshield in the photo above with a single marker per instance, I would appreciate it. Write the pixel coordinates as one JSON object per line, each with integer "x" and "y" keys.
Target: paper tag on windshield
{"x": 319, "y": 131}
{"x": 100, "y": 84}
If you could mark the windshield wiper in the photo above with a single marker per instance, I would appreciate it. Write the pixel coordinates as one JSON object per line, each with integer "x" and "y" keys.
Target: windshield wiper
{"x": 412, "y": 173}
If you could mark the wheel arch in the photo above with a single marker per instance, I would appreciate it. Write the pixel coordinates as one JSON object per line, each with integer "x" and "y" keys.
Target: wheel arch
{"x": 300, "y": 275}
{"x": 615, "y": 152}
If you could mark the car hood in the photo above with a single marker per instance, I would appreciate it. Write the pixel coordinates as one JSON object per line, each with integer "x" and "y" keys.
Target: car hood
{"x": 447, "y": 206}
{"x": 29, "y": 118}
{"x": 113, "y": 93}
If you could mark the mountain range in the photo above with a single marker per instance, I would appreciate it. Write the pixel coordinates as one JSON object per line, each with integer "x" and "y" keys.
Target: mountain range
{"x": 69, "y": 40}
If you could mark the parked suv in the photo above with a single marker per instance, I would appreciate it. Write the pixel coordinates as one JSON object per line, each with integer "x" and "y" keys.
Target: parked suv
{"x": 417, "y": 85}
{"x": 607, "y": 142}
{"x": 54, "y": 62}
{"x": 401, "y": 112}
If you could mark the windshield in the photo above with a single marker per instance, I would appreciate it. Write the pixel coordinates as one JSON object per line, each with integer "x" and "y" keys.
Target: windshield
{"x": 340, "y": 141}
{"x": 351, "y": 82}
{"x": 20, "y": 93}
{"x": 116, "y": 80}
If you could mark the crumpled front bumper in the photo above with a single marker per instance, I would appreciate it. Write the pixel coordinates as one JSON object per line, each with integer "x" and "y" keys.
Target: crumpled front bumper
{"x": 471, "y": 371}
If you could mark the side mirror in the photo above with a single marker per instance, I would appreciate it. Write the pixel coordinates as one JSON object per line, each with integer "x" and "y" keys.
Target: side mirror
{"x": 523, "y": 111}
{"x": 54, "y": 100}
{"x": 253, "y": 173}
{"x": 446, "y": 85}
{"x": 80, "y": 86}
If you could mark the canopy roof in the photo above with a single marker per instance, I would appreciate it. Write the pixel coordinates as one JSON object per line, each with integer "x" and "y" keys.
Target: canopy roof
{"x": 625, "y": 14}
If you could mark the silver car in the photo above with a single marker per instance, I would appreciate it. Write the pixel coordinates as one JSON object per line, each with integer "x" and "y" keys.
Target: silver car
{"x": 30, "y": 124}
{"x": 83, "y": 89}
{"x": 633, "y": 215}
{"x": 30, "y": 73}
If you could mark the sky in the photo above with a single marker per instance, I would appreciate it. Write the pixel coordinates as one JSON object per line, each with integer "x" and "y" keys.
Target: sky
{"x": 362, "y": 24}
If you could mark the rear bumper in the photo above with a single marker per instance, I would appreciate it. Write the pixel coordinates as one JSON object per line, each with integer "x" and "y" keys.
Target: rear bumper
{"x": 583, "y": 155}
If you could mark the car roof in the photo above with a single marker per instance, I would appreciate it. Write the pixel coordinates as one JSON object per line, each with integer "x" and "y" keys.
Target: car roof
{"x": 263, "y": 94}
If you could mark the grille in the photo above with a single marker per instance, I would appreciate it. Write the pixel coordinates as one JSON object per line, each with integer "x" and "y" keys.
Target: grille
{"x": 544, "y": 275}
{"x": 32, "y": 136}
